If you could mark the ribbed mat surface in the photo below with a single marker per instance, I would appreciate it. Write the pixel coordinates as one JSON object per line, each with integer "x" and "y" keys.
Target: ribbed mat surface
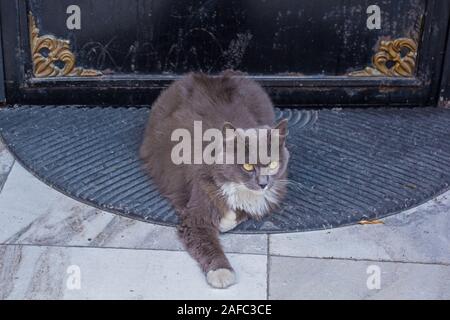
{"x": 346, "y": 165}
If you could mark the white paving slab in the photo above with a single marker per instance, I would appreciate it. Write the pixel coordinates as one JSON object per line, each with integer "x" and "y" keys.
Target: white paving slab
{"x": 33, "y": 213}
{"x": 37, "y": 272}
{"x": 309, "y": 278}
{"x": 44, "y": 232}
{"x": 417, "y": 235}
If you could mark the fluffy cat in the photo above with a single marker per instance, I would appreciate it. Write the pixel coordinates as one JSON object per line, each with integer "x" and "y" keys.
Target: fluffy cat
{"x": 213, "y": 198}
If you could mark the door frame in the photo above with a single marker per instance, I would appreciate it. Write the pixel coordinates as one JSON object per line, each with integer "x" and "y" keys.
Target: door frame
{"x": 444, "y": 92}
{"x": 2, "y": 74}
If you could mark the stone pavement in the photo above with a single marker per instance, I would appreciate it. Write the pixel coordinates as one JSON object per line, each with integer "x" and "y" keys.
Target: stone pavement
{"x": 53, "y": 247}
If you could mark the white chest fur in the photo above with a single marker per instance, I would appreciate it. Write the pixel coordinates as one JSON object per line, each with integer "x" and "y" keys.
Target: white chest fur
{"x": 255, "y": 203}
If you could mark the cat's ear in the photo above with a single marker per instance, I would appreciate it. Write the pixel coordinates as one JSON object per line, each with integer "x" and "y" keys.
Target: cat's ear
{"x": 282, "y": 128}
{"x": 228, "y": 126}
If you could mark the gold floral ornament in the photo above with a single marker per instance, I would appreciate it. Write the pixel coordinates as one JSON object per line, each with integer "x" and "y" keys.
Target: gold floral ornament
{"x": 47, "y": 51}
{"x": 395, "y": 58}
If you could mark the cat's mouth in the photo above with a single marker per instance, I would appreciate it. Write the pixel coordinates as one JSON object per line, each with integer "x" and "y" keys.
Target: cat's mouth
{"x": 257, "y": 190}
{"x": 256, "y": 202}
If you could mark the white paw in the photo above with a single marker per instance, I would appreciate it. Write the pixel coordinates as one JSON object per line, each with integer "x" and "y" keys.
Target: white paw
{"x": 221, "y": 278}
{"x": 228, "y": 222}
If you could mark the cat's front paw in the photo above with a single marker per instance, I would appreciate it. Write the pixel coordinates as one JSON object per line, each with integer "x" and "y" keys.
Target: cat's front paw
{"x": 221, "y": 278}
{"x": 228, "y": 222}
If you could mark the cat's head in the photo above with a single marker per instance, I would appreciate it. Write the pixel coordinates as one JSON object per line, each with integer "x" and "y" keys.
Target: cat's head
{"x": 253, "y": 170}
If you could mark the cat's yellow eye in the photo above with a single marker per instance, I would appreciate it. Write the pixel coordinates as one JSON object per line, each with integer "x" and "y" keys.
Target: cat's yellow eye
{"x": 248, "y": 167}
{"x": 273, "y": 165}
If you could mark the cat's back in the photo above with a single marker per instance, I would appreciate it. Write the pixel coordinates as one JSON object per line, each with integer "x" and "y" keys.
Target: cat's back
{"x": 229, "y": 97}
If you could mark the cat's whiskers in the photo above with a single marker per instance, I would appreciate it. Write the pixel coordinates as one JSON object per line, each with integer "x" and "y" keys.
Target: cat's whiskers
{"x": 297, "y": 185}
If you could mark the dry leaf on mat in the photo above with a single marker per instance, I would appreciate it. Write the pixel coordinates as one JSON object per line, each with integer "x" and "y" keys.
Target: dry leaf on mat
{"x": 371, "y": 222}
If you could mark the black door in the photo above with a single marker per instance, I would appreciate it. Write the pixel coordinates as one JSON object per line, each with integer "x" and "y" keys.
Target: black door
{"x": 306, "y": 53}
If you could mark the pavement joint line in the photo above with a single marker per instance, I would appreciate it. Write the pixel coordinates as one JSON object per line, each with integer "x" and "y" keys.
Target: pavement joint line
{"x": 268, "y": 269}
{"x": 445, "y": 264}
{"x": 115, "y": 248}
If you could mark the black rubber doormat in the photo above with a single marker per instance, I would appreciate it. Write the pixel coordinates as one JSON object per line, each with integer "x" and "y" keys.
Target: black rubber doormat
{"x": 347, "y": 165}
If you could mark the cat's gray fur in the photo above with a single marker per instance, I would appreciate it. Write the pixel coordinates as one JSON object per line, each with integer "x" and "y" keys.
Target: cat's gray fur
{"x": 211, "y": 198}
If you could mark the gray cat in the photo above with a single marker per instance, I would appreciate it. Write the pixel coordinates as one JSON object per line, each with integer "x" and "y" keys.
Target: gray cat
{"x": 213, "y": 198}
